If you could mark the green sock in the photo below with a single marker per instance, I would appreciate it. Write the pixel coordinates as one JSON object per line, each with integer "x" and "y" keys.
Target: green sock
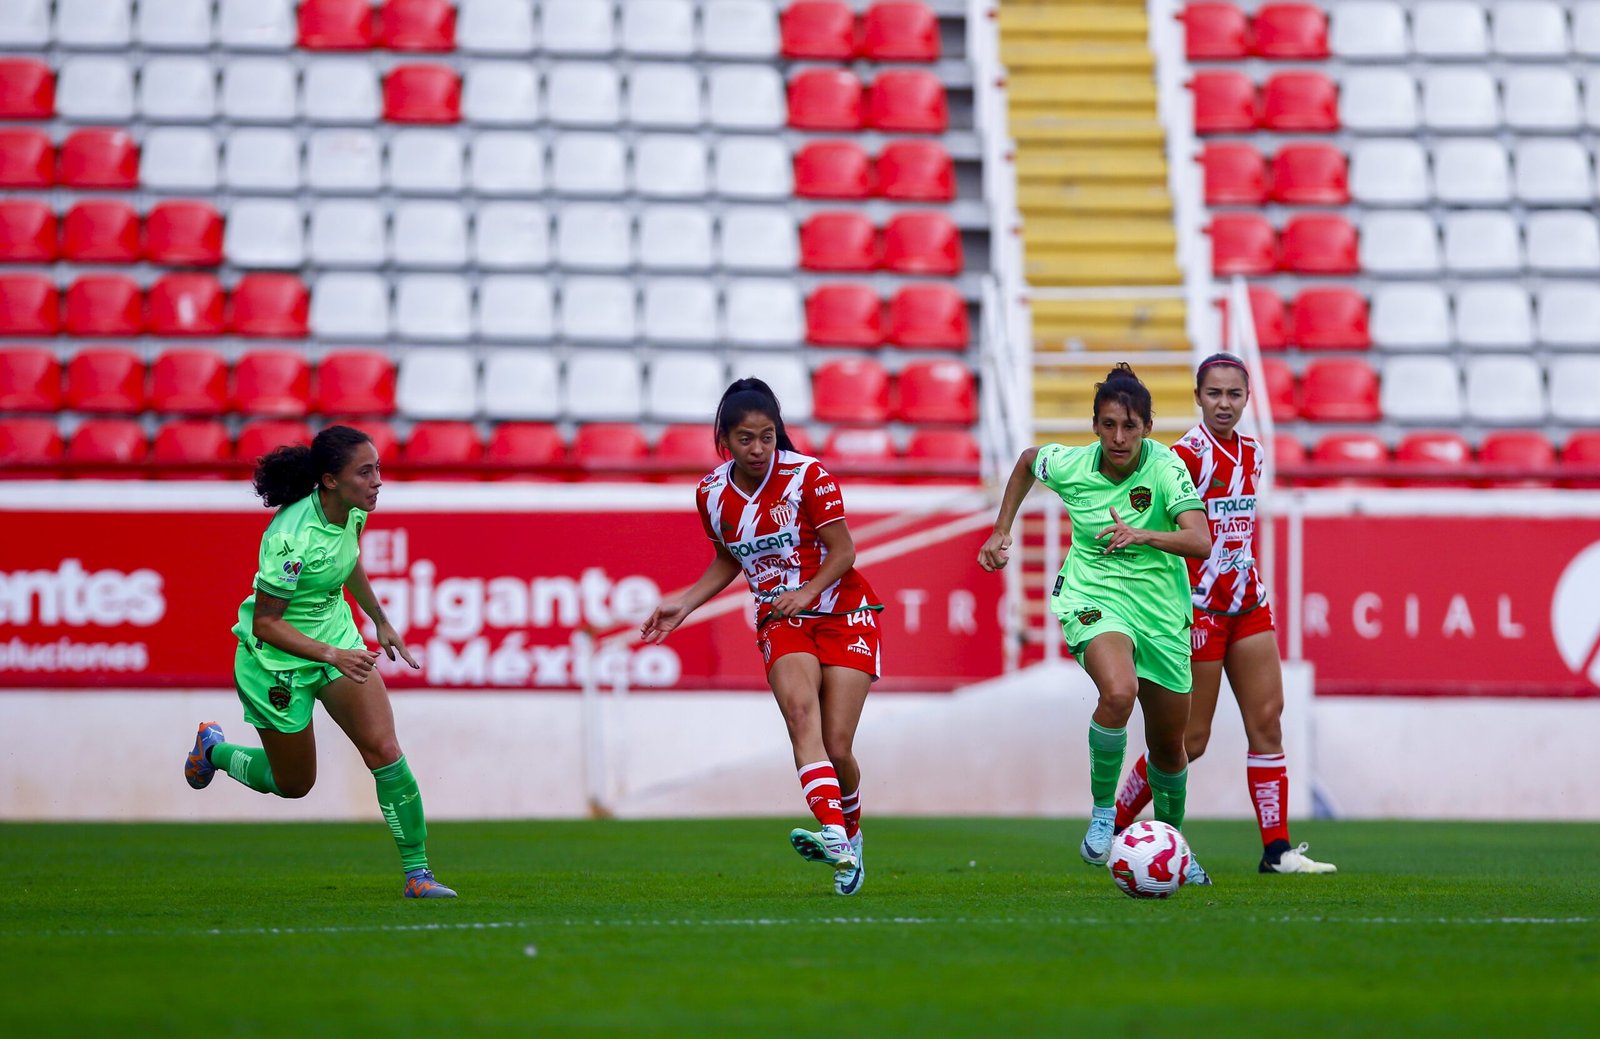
{"x": 401, "y": 803}
{"x": 248, "y": 765}
{"x": 1168, "y": 792}
{"x": 1105, "y": 762}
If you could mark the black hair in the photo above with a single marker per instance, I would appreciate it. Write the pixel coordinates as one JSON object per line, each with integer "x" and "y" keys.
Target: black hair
{"x": 1123, "y": 387}
{"x": 288, "y": 473}
{"x": 746, "y": 397}
{"x": 1225, "y": 360}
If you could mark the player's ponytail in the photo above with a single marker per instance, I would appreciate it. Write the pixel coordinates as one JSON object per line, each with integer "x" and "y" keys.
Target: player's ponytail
{"x": 1122, "y": 386}
{"x": 748, "y": 397}
{"x": 288, "y": 473}
{"x": 1221, "y": 361}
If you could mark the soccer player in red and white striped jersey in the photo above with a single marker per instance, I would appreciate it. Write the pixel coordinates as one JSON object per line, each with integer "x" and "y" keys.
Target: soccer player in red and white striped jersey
{"x": 778, "y": 517}
{"x": 1233, "y": 627}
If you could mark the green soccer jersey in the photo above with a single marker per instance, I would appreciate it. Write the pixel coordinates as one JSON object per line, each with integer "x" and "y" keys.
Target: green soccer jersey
{"x": 306, "y": 560}
{"x": 1140, "y": 584}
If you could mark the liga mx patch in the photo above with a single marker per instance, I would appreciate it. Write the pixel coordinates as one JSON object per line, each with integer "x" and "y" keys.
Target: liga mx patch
{"x": 278, "y": 697}
{"x": 1139, "y": 498}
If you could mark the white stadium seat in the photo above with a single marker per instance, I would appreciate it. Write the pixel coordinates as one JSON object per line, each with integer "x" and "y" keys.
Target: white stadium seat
{"x": 1410, "y": 317}
{"x": 500, "y": 93}
{"x": 1586, "y": 29}
{"x": 1389, "y": 172}
{"x": 598, "y": 309}
{"x": 675, "y": 238}
{"x": 437, "y": 382}
{"x": 341, "y": 90}
{"x": 1554, "y": 172}
{"x": 1399, "y": 243}
{"x": 1421, "y": 389}
{"x": 786, "y": 373}
{"x": 1591, "y": 98}
{"x": 1493, "y": 314}
{"x": 261, "y": 160}
{"x": 684, "y": 387}
{"x": 583, "y": 94}
{"x": 603, "y": 385}
{"x": 591, "y": 236}
{"x": 664, "y": 96}
{"x": 1563, "y": 242}
{"x": 753, "y": 167}
{"x": 1368, "y": 30}
{"x": 1471, "y": 172}
{"x": 347, "y": 233}
{"x": 1505, "y": 389}
{"x": 426, "y": 162}
{"x": 506, "y": 163}
{"x": 1569, "y": 314}
{"x": 738, "y": 29}
{"x": 1378, "y": 101}
{"x": 256, "y": 24}
{"x": 1449, "y": 29}
{"x": 344, "y": 161}
{"x": 172, "y": 24}
{"x": 672, "y": 166}
{"x": 178, "y": 159}
{"x": 95, "y": 24}
{"x": 430, "y": 234}
{"x": 1459, "y": 99}
{"x": 515, "y": 307}
{"x": 178, "y": 90}
{"x": 589, "y": 164}
{"x": 511, "y": 236}
{"x": 1575, "y": 390}
{"x": 350, "y": 306}
{"x": 95, "y": 89}
{"x": 762, "y": 312}
{"x": 264, "y": 234}
{"x": 578, "y": 26}
{"x": 758, "y": 238}
{"x": 746, "y": 98}
{"x": 258, "y": 90}
{"x": 1541, "y": 99}
{"x": 433, "y": 308}
{"x": 1482, "y": 243}
{"x": 495, "y": 27}
{"x": 25, "y": 24}
{"x": 664, "y": 27}
{"x": 521, "y": 384}
{"x": 1529, "y": 29}
{"x": 680, "y": 310}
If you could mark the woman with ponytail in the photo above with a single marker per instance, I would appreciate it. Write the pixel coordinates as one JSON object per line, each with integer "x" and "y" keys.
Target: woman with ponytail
{"x": 778, "y": 517}
{"x": 298, "y": 643}
{"x": 1122, "y": 596}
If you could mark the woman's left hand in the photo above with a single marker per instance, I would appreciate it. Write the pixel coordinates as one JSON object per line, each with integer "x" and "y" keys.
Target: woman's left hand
{"x": 1122, "y": 535}
{"x": 390, "y": 642}
{"x": 792, "y": 602}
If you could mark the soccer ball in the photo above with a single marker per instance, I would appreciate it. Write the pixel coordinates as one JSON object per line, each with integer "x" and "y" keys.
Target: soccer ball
{"x": 1148, "y": 860}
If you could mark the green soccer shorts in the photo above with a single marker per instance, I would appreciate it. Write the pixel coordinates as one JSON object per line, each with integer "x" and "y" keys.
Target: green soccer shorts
{"x": 280, "y": 700}
{"x": 1162, "y": 658}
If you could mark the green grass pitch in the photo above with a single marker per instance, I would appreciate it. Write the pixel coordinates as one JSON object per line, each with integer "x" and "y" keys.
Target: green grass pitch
{"x": 965, "y": 928}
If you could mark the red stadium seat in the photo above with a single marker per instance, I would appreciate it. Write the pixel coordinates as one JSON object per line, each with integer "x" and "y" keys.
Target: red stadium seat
{"x": 1319, "y": 243}
{"x": 27, "y": 158}
{"x": 1521, "y": 457}
{"x": 418, "y": 25}
{"x": 832, "y": 169}
{"x": 838, "y": 242}
{"x": 117, "y": 442}
{"x": 98, "y": 158}
{"x": 916, "y": 171}
{"x": 191, "y": 442}
{"x": 1215, "y": 32}
{"x": 27, "y": 89}
{"x": 1268, "y": 313}
{"x": 950, "y": 446}
{"x": 1280, "y": 389}
{"x": 338, "y": 25}
{"x": 1331, "y": 319}
{"x": 844, "y": 315}
{"x": 826, "y": 99}
{"x": 442, "y": 444}
{"x": 937, "y": 392}
{"x": 928, "y": 317}
{"x": 1300, "y": 102}
{"x": 687, "y": 447}
{"x": 1224, "y": 102}
{"x": 29, "y": 305}
{"x": 29, "y": 440}
{"x": 189, "y": 382}
{"x": 895, "y": 30}
{"x": 30, "y": 379}
{"x": 264, "y": 435}
{"x": 1287, "y": 452}
{"x": 849, "y": 449}
{"x": 104, "y": 305}
{"x": 850, "y": 390}
{"x": 1363, "y": 455}
{"x": 818, "y": 30}
{"x": 609, "y": 446}
{"x": 1235, "y": 174}
{"x": 355, "y": 382}
{"x": 1310, "y": 175}
{"x": 182, "y": 305}
{"x": 1430, "y": 451}
{"x": 908, "y": 101}
{"x": 105, "y": 379}
{"x": 273, "y": 306}
{"x": 384, "y": 439}
{"x": 1296, "y": 32}
{"x": 801, "y": 439}
{"x": 922, "y": 243}
{"x": 272, "y": 382}
{"x": 27, "y": 231}
{"x": 183, "y": 234}
{"x": 1242, "y": 243}
{"x": 1580, "y": 455}
{"x": 1339, "y": 390}
{"x": 422, "y": 94}
{"x": 536, "y": 445}
{"x": 100, "y": 232}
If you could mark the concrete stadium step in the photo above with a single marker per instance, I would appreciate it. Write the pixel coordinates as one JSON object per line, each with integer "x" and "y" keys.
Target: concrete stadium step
{"x": 1026, "y": 54}
{"x": 1079, "y": 91}
{"x": 1094, "y": 233}
{"x": 1109, "y": 268}
{"x": 1036, "y": 199}
{"x": 1030, "y": 126}
{"x": 1088, "y": 19}
{"x": 1119, "y": 165}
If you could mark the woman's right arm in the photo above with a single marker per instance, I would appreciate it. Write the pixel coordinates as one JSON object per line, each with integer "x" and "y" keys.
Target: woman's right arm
{"x": 270, "y": 627}
{"x": 673, "y": 612}
{"x": 995, "y": 551}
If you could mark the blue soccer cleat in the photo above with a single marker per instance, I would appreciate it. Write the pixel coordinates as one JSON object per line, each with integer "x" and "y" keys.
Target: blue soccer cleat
{"x": 420, "y": 884}
{"x": 197, "y": 768}
{"x": 830, "y": 846}
{"x": 1096, "y": 847}
{"x": 848, "y": 881}
{"x": 1195, "y": 873}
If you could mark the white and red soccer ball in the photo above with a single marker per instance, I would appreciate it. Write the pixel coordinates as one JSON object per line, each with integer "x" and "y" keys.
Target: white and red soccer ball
{"x": 1148, "y": 860}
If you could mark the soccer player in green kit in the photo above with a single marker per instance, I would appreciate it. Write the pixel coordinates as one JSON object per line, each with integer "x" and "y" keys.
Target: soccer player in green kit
{"x": 1123, "y": 594}
{"x": 298, "y": 643}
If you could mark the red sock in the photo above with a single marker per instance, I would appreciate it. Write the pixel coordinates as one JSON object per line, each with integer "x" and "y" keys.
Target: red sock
{"x": 820, "y": 785}
{"x": 1134, "y": 795}
{"x": 1269, "y": 789}
{"x": 851, "y": 804}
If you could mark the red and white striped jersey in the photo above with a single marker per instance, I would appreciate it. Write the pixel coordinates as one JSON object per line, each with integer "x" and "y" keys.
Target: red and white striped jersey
{"x": 773, "y": 532}
{"x": 1226, "y": 475}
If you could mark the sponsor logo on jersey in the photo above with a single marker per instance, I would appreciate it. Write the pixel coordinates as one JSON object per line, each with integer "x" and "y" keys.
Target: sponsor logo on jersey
{"x": 1216, "y": 481}
{"x": 1088, "y": 617}
{"x": 860, "y": 646}
{"x": 1196, "y": 443}
{"x": 766, "y": 543}
{"x": 1044, "y": 468}
{"x": 1057, "y": 589}
{"x": 827, "y": 488}
{"x": 782, "y": 513}
{"x": 1139, "y": 498}
{"x": 860, "y": 617}
{"x": 278, "y": 696}
{"x": 792, "y": 470}
{"x": 320, "y": 560}
{"x": 1232, "y": 505}
{"x": 284, "y": 548}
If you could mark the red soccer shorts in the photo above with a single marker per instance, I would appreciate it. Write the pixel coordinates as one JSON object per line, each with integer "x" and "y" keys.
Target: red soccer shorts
{"x": 835, "y": 641}
{"x": 1213, "y": 633}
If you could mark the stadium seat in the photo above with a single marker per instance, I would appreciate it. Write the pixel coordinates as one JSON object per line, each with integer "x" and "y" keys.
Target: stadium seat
{"x": 1494, "y": 314}
{"x": 738, "y": 29}
{"x": 185, "y": 159}
{"x": 30, "y": 379}
{"x": 928, "y": 317}
{"x": 752, "y": 168}
{"x": 437, "y": 382}
{"x": 181, "y": 305}
{"x": 341, "y": 90}
{"x": 338, "y": 25}
{"x": 916, "y": 171}
{"x": 1389, "y": 173}
{"x": 417, "y": 25}
{"x": 103, "y": 305}
{"x": 687, "y": 447}
{"x": 1422, "y": 389}
{"x": 422, "y": 94}
{"x": 818, "y": 30}
{"x": 1580, "y": 456}
{"x": 266, "y": 233}
{"x": 1575, "y": 390}
{"x": 1459, "y": 100}
{"x": 272, "y": 382}
{"x": 1280, "y": 389}
{"x": 1541, "y": 100}
{"x": 105, "y": 379}
{"x": 521, "y": 384}
{"x": 355, "y": 382}
{"x": 1561, "y": 242}
{"x": 1399, "y": 243}
{"x": 1505, "y": 389}
{"x": 1569, "y": 315}
{"x": 1369, "y": 30}
{"x": 27, "y": 89}
{"x": 922, "y": 243}
{"x": 258, "y": 160}
{"x": 1529, "y": 29}
{"x": 191, "y": 444}
{"x": 1379, "y": 101}
{"x": 27, "y": 232}
{"x": 826, "y": 99}
{"x": 178, "y": 90}
{"x": 347, "y": 234}
{"x": 896, "y": 30}
{"x": 506, "y": 164}
{"x": 1432, "y": 450}
{"x": 1482, "y": 242}
{"x": 598, "y": 309}
{"x": 1268, "y": 312}
{"x": 788, "y": 376}
{"x": 850, "y": 390}
{"x": 1586, "y": 29}
{"x": 98, "y": 88}
{"x": 1242, "y": 243}
{"x": 258, "y": 90}
{"x": 1290, "y": 31}
{"x": 683, "y": 387}
{"x": 577, "y": 27}
{"x": 29, "y": 441}
{"x": 30, "y": 305}
{"x": 1554, "y": 173}
{"x": 1310, "y": 175}
{"x": 665, "y": 27}
{"x": 1330, "y": 319}
{"x": 937, "y": 392}
{"x": 591, "y": 236}
{"x": 533, "y": 445}
{"x": 118, "y": 442}
{"x": 1235, "y": 174}
{"x": 1449, "y": 29}
{"x": 510, "y": 235}
{"x": 751, "y": 98}
{"x": 844, "y": 315}
{"x": 1224, "y": 102}
{"x": 842, "y": 241}
{"x": 1319, "y": 243}
{"x": 1351, "y": 451}
{"x": 442, "y": 445}
{"x": 609, "y": 446}
{"x": 189, "y": 382}
{"x": 762, "y": 312}
{"x": 1510, "y": 454}
{"x": 515, "y": 307}
{"x": 500, "y": 93}
{"x": 1410, "y": 317}
{"x": 270, "y": 305}
{"x": 1300, "y": 102}
{"x": 583, "y": 94}
{"x": 264, "y": 435}
{"x": 384, "y": 439}
{"x": 670, "y": 166}
{"x": 758, "y": 238}
{"x": 27, "y": 158}
{"x": 495, "y": 27}
{"x": 675, "y": 238}
{"x": 1339, "y": 390}
{"x": 850, "y": 448}
{"x": 680, "y": 310}
{"x": 25, "y": 24}
{"x": 944, "y": 448}
{"x": 603, "y": 385}
{"x": 832, "y": 169}
{"x": 255, "y": 24}
{"x": 425, "y": 162}
{"x": 183, "y": 234}
{"x": 1215, "y": 32}
{"x": 433, "y": 308}
{"x": 1471, "y": 172}
{"x": 908, "y": 101}
{"x": 664, "y": 95}
{"x": 429, "y": 234}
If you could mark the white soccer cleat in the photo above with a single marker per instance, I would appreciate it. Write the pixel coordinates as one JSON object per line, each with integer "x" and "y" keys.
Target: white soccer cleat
{"x": 830, "y": 846}
{"x": 1096, "y": 846}
{"x": 848, "y": 881}
{"x": 1295, "y": 860}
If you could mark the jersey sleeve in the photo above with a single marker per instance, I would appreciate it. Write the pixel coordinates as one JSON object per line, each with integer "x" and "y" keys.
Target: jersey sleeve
{"x": 278, "y": 568}
{"x": 1190, "y": 460}
{"x": 1050, "y": 466}
{"x": 1178, "y": 486}
{"x": 705, "y": 514}
{"x": 823, "y": 501}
